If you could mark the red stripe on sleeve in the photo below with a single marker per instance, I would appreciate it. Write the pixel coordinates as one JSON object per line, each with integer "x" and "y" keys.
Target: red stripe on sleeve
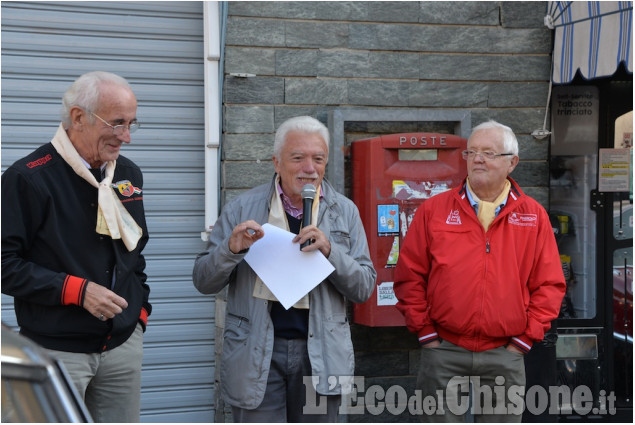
{"x": 144, "y": 316}
{"x": 72, "y": 290}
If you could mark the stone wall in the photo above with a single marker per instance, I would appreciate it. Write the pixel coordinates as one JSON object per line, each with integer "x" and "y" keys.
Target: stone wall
{"x": 492, "y": 58}
{"x": 284, "y": 59}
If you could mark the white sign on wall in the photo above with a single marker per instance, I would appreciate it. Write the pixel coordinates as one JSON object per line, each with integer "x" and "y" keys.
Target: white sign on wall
{"x": 615, "y": 170}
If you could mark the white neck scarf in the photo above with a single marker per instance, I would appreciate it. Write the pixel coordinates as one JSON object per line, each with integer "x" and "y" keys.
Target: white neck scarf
{"x": 112, "y": 218}
{"x": 278, "y": 218}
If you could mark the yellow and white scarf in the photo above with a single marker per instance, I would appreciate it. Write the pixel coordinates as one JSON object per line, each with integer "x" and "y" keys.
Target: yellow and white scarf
{"x": 278, "y": 218}
{"x": 487, "y": 210}
{"x": 112, "y": 218}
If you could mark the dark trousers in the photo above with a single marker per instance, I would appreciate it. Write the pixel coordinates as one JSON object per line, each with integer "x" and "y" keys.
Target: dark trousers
{"x": 286, "y": 394}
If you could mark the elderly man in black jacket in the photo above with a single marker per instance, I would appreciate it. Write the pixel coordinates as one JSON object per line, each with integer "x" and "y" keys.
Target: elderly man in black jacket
{"x": 73, "y": 228}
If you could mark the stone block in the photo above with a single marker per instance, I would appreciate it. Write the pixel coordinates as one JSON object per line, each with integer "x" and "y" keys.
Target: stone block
{"x": 524, "y": 67}
{"x": 315, "y": 91}
{"x": 275, "y": 9}
{"x": 484, "y": 67}
{"x": 515, "y": 95}
{"x": 384, "y": 37}
{"x": 342, "y": 11}
{"x": 246, "y": 174}
{"x": 518, "y": 41}
{"x": 521, "y": 120}
{"x": 392, "y": 11}
{"x": 459, "y": 12}
{"x": 248, "y": 119}
{"x": 251, "y": 147}
{"x": 254, "y": 32}
{"x": 448, "y": 94}
{"x": 229, "y": 194}
{"x": 459, "y": 39}
{"x": 322, "y": 35}
{"x": 393, "y": 65}
{"x": 267, "y": 90}
{"x": 250, "y": 61}
{"x": 284, "y": 112}
{"x": 363, "y": 11}
{"x": 531, "y": 173}
{"x": 532, "y": 149}
{"x": 379, "y": 92}
{"x": 297, "y": 62}
{"x": 523, "y": 14}
{"x": 339, "y": 63}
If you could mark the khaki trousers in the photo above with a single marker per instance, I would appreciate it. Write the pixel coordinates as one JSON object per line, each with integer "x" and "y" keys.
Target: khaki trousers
{"x": 487, "y": 385}
{"x": 109, "y": 382}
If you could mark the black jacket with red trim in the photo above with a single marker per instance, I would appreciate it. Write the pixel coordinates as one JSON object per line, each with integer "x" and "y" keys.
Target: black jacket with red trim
{"x": 50, "y": 250}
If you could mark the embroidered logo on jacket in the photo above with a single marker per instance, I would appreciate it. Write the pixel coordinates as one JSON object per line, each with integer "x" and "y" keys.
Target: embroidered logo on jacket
{"x": 518, "y": 219}
{"x": 453, "y": 218}
{"x": 126, "y": 188}
{"x": 39, "y": 161}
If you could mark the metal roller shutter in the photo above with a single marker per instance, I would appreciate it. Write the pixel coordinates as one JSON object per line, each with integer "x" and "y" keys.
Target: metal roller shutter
{"x": 158, "y": 47}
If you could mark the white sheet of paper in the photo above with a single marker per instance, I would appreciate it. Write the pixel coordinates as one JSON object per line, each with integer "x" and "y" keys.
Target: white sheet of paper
{"x": 288, "y": 272}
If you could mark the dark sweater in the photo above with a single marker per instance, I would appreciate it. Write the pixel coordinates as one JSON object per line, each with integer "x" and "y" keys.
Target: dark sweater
{"x": 292, "y": 323}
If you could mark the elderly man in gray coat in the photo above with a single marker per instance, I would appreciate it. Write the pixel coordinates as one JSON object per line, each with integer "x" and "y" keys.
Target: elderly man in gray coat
{"x": 274, "y": 359}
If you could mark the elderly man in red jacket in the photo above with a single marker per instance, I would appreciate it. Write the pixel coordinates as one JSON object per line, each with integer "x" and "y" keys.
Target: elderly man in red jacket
{"x": 479, "y": 280}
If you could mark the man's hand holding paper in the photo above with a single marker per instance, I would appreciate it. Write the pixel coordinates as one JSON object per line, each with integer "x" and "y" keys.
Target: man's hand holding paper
{"x": 275, "y": 258}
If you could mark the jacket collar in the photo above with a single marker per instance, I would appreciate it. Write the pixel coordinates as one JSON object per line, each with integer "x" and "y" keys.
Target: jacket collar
{"x": 515, "y": 191}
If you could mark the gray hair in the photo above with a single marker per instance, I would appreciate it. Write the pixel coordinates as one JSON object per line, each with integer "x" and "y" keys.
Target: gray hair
{"x": 304, "y": 124}
{"x": 84, "y": 93}
{"x": 510, "y": 143}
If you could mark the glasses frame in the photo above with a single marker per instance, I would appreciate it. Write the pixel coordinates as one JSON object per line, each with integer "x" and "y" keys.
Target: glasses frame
{"x": 118, "y": 130}
{"x": 487, "y": 155}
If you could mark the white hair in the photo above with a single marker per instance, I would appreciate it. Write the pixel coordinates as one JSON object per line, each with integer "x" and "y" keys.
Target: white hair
{"x": 304, "y": 124}
{"x": 85, "y": 91}
{"x": 510, "y": 143}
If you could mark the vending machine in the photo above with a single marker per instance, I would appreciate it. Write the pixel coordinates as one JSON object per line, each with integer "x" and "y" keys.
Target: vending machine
{"x": 392, "y": 175}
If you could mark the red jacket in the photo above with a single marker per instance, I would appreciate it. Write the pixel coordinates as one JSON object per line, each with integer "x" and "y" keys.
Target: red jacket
{"x": 478, "y": 289}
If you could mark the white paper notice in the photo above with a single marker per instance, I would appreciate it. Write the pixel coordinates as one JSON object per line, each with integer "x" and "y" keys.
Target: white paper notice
{"x": 288, "y": 272}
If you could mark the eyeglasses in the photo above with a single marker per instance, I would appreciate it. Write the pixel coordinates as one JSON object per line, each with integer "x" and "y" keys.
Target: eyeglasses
{"x": 488, "y": 155}
{"x": 118, "y": 130}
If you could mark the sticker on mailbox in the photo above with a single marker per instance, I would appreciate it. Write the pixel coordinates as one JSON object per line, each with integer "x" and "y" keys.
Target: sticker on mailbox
{"x": 385, "y": 294}
{"x": 387, "y": 219}
{"x": 394, "y": 253}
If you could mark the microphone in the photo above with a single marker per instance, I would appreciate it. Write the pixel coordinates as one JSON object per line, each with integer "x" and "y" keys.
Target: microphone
{"x": 308, "y": 193}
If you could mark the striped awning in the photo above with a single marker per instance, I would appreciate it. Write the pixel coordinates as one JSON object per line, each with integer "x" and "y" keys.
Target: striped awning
{"x": 591, "y": 36}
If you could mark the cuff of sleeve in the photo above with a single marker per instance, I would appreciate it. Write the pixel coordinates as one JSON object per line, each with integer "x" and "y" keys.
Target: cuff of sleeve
{"x": 428, "y": 334}
{"x": 522, "y": 344}
{"x": 143, "y": 318}
{"x": 73, "y": 290}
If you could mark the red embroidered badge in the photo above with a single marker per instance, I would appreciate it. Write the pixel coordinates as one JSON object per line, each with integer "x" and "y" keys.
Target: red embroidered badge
{"x": 40, "y": 161}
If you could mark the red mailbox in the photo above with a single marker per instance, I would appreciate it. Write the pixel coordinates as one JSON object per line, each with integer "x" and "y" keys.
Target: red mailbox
{"x": 392, "y": 175}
